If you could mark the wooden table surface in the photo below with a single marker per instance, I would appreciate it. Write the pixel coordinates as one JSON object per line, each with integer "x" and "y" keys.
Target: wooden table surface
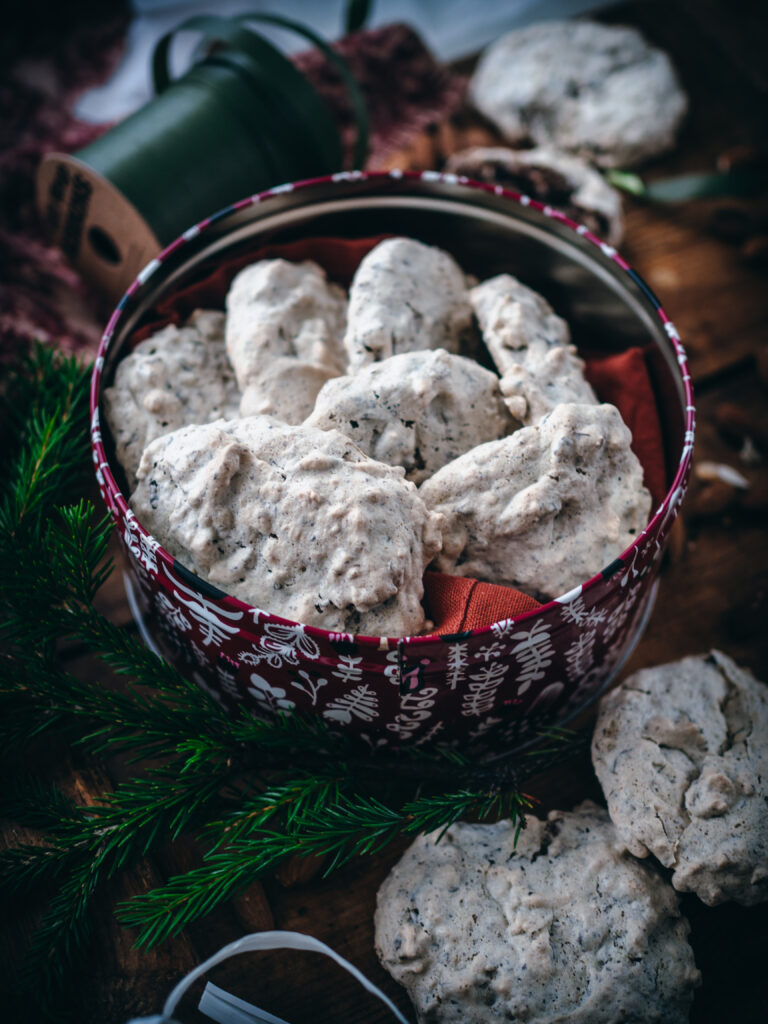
{"x": 714, "y": 591}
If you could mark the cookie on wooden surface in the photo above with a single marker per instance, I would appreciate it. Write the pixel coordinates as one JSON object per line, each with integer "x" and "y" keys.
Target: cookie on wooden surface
{"x": 418, "y": 410}
{"x": 596, "y": 90}
{"x": 178, "y": 376}
{"x": 405, "y": 296}
{"x": 681, "y": 751}
{"x": 275, "y": 309}
{"x": 545, "y": 508}
{"x": 530, "y": 346}
{"x": 293, "y": 520}
{"x": 564, "y": 926}
{"x": 553, "y": 178}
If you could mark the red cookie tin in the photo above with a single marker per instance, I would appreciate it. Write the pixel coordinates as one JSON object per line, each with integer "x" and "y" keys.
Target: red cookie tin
{"x": 500, "y": 683}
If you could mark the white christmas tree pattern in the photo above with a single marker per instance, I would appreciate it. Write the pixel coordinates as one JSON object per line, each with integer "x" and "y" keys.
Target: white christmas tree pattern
{"x": 577, "y": 613}
{"x": 349, "y": 669}
{"x": 457, "y": 664}
{"x": 481, "y": 691}
{"x": 212, "y": 620}
{"x": 361, "y": 702}
{"x": 534, "y": 653}
{"x": 580, "y": 655}
{"x": 141, "y": 545}
{"x": 172, "y": 613}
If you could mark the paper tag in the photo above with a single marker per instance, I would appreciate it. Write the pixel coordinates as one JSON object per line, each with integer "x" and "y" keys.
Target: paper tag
{"x": 225, "y": 1008}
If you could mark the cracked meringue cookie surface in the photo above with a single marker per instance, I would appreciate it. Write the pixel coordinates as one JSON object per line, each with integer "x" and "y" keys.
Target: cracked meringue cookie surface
{"x": 418, "y": 410}
{"x": 596, "y": 90}
{"x": 286, "y": 389}
{"x": 278, "y": 309}
{"x": 681, "y": 751}
{"x": 406, "y": 296}
{"x": 180, "y": 375}
{"x": 554, "y": 178}
{"x": 565, "y": 925}
{"x": 545, "y": 508}
{"x": 530, "y": 347}
{"x": 293, "y": 520}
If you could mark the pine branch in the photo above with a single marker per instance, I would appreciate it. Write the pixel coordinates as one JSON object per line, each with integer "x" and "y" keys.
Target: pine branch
{"x": 26, "y": 868}
{"x": 35, "y": 803}
{"x": 136, "y": 719}
{"x": 291, "y": 798}
{"x": 255, "y": 790}
{"x": 60, "y": 939}
{"x": 49, "y": 404}
{"x": 123, "y": 827}
{"x": 263, "y": 824}
{"x": 324, "y": 820}
{"x": 88, "y": 848}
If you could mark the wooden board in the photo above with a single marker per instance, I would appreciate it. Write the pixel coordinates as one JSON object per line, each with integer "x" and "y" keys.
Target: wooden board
{"x": 719, "y": 302}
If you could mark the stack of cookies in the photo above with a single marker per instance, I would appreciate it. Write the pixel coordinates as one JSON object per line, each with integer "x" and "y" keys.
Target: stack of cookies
{"x": 571, "y": 98}
{"x": 312, "y": 453}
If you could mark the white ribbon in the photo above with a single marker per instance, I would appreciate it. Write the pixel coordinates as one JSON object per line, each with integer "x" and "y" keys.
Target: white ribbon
{"x": 225, "y": 1008}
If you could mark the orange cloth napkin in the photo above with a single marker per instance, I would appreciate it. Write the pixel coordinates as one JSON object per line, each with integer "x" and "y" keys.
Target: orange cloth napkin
{"x": 624, "y": 381}
{"x": 457, "y": 603}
